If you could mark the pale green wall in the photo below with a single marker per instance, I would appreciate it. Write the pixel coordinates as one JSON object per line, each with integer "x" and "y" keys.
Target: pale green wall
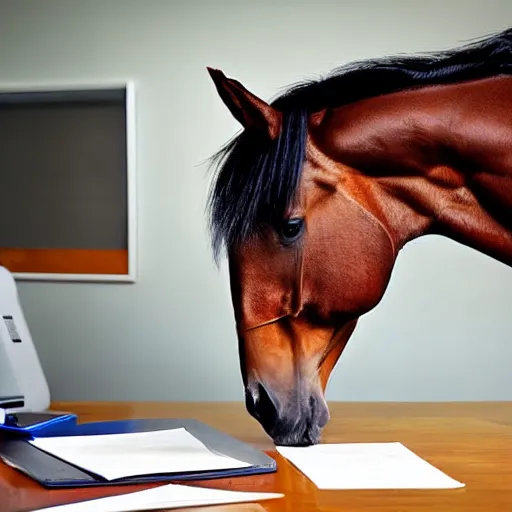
{"x": 444, "y": 329}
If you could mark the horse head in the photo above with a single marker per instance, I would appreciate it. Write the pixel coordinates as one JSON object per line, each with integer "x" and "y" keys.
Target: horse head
{"x": 323, "y": 187}
{"x": 306, "y": 259}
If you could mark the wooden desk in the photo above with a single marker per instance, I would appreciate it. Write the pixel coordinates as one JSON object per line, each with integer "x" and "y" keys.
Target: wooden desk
{"x": 471, "y": 442}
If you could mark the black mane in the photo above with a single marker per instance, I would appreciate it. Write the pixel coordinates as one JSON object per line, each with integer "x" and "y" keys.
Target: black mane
{"x": 256, "y": 181}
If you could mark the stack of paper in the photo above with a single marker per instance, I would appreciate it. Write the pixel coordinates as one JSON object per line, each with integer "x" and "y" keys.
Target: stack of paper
{"x": 366, "y": 466}
{"x": 114, "y": 456}
{"x": 161, "y": 498}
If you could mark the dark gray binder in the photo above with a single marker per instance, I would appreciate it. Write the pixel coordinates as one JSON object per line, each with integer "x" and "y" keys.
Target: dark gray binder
{"x": 52, "y": 472}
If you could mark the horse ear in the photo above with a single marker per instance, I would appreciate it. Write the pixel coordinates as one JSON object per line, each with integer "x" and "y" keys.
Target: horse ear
{"x": 248, "y": 109}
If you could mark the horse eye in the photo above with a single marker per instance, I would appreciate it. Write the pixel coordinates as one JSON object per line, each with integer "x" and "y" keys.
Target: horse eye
{"x": 291, "y": 229}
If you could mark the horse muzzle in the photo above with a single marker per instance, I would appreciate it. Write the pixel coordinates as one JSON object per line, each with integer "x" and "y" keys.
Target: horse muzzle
{"x": 293, "y": 419}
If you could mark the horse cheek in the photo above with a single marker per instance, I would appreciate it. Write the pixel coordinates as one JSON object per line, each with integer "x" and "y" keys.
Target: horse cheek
{"x": 347, "y": 262}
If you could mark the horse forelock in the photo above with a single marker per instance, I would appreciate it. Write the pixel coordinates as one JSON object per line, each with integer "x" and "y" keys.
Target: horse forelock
{"x": 257, "y": 181}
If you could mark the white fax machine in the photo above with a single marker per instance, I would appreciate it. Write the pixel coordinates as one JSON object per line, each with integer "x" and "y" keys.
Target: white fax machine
{"x": 23, "y": 385}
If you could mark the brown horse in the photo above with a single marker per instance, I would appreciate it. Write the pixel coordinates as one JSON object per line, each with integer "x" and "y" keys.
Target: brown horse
{"x": 325, "y": 185}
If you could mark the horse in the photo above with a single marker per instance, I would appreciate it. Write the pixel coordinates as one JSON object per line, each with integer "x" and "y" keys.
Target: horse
{"x": 324, "y": 185}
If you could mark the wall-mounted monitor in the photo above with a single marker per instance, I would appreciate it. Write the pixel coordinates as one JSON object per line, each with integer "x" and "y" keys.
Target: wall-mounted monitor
{"x": 67, "y": 183}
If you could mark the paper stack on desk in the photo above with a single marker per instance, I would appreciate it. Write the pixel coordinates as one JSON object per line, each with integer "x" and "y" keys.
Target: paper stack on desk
{"x": 115, "y": 456}
{"x": 366, "y": 466}
{"x": 162, "y": 498}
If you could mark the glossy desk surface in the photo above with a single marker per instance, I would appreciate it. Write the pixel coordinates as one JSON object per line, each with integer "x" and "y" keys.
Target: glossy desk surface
{"x": 471, "y": 442}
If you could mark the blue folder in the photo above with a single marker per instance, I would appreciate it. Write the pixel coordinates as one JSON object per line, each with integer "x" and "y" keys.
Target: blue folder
{"x": 37, "y": 424}
{"x": 52, "y": 472}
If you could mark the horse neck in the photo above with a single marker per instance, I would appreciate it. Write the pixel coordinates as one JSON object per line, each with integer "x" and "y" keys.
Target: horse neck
{"x": 435, "y": 161}
{"x": 474, "y": 212}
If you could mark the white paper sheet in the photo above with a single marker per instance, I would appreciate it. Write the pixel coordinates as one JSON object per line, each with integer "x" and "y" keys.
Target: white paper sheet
{"x": 366, "y": 466}
{"x": 114, "y": 456}
{"x": 163, "y": 497}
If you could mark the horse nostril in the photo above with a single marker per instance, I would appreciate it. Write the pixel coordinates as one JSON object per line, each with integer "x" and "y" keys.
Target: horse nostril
{"x": 260, "y": 405}
{"x": 265, "y": 406}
